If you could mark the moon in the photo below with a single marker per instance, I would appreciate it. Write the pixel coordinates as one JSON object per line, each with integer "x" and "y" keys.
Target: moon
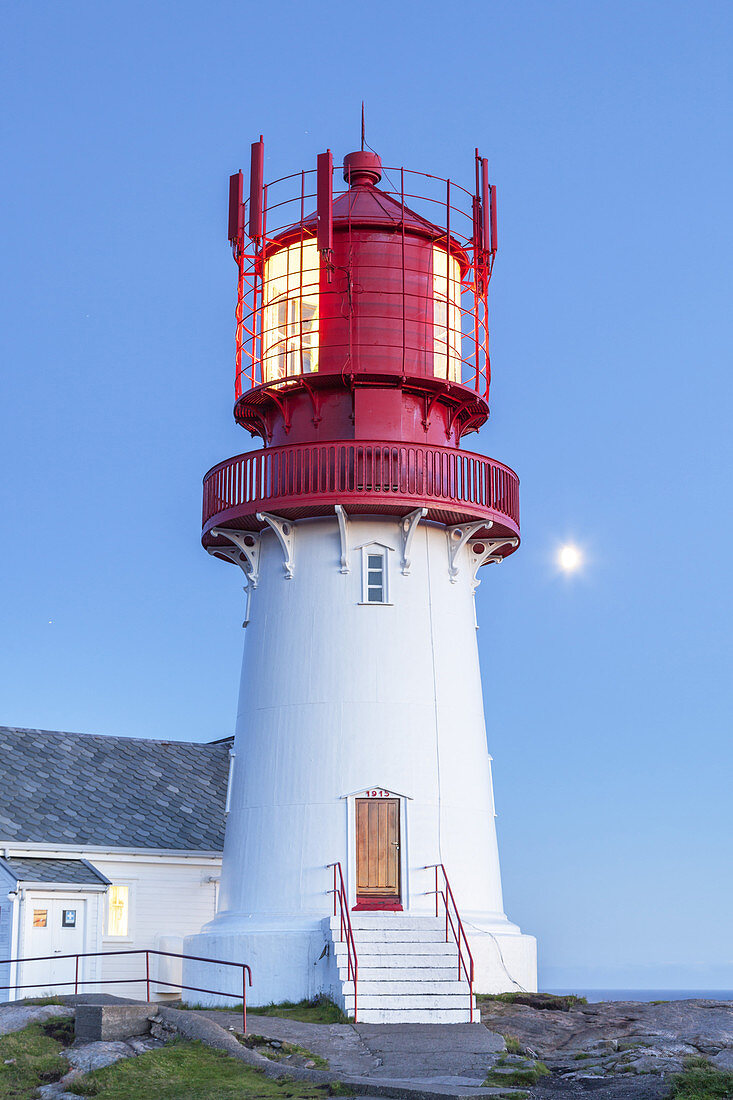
{"x": 569, "y": 558}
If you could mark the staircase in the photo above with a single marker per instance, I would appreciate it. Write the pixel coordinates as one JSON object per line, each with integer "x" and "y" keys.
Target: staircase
{"x": 407, "y": 973}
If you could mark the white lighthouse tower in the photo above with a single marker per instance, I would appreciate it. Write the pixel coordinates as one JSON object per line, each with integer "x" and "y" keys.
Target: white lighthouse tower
{"x": 360, "y": 855}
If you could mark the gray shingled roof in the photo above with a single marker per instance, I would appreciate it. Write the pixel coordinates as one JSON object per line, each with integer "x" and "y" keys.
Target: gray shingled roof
{"x": 122, "y": 792}
{"x": 53, "y": 870}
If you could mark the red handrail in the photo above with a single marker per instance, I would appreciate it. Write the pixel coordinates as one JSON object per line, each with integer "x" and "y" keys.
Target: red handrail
{"x": 340, "y": 899}
{"x": 457, "y": 929}
{"x": 147, "y": 952}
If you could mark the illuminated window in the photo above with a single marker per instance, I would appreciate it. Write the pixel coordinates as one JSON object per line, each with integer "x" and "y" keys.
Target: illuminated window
{"x": 40, "y": 918}
{"x": 446, "y": 316}
{"x": 374, "y": 575}
{"x": 118, "y": 910}
{"x": 290, "y": 326}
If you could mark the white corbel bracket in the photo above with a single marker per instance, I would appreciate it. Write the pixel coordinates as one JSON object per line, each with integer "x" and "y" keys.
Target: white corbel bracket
{"x": 488, "y": 554}
{"x": 457, "y": 539}
{"x": 244, "y": 552}
{"x": 408, "y": 526}
{"x": 343, "y": 535}
{"x": 285, "y": 533}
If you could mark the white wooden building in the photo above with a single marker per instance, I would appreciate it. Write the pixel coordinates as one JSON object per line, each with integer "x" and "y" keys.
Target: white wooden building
{"x": 107, "y": 844}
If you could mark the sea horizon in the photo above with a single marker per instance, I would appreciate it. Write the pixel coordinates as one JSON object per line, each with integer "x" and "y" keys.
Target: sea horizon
{"x": 595, "y": 995}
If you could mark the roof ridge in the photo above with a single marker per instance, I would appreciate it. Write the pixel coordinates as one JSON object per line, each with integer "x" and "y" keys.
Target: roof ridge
{"x": 110, "y": 736}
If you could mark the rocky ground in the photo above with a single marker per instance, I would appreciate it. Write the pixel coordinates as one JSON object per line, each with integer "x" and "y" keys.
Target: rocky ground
{"x": 613, "y": 1049}
{"x": 82, "y": 1057}
{"x": 542, "y": 1049}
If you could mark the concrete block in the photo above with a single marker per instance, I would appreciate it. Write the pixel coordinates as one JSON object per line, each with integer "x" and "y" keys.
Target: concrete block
{"x": 112, "y": 1022}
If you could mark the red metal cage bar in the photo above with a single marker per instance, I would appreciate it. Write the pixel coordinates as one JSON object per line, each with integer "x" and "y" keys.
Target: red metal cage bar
{"x": 443, "y": 202}
{"x": 147, "y": 952}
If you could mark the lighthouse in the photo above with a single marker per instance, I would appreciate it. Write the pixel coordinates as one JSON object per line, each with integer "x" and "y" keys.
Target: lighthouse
{"x": 361, "y": 856}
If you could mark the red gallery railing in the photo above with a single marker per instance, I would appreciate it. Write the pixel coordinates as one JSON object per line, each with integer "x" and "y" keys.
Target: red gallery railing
{"x": 147, "y": 952}
{"x": 454, "y": 924}
{"x": 367, "y": 474}
{"x": 341, "y": 908}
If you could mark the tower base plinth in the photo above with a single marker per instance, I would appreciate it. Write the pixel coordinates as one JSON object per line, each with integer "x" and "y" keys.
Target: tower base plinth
{"x": 286, "y": 965}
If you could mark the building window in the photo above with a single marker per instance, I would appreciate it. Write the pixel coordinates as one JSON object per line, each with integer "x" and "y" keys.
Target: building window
{"x": 374, "y": 575}
{"x": 118, "y": 911}
{"x": 446, "y": 316}
{"x": 290, "y": 323}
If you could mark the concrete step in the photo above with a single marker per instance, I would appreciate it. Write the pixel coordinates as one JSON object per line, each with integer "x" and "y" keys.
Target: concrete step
{"x": 390, "y": 920}
{"x": 398, "y": 935}
{"x": 402, "y": 973}
{"x": 408, "y": 973}
{"x": 434, "y": 949}
{"x": 411, "y": 988}
{"x": 406, "y": 1001}
{"x": 404, "y": 962}
{"x": 412, "y": 1016}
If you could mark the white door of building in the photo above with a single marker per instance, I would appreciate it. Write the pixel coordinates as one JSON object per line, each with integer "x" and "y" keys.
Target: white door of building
{"x": 55, "y": 926}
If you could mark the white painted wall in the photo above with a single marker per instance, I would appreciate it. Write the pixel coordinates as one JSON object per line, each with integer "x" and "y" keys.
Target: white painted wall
{"x": 337, "y": 697}
{"x": 167, "y": 898}
{"x": 170, "y": 896}
{"x": 7, "y": 884}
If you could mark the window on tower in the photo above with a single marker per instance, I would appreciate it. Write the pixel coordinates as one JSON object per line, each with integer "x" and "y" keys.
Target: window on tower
{"x": 446, "y": 316}
{"x": 290, "y": 323}
{"x": 374, "y": 575}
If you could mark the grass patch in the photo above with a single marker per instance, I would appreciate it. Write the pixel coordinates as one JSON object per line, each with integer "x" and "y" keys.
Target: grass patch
{"x": 35, "y": 1058}
{"x": 189, "y": 1071}
{"x": 60, "y": 1028}
{"x": 319, "y": 1010}
{"x": 701, "y": 1081}
{"x": 516, "y": 1077}
{"x": 41, "y": 1001}
{"x": 534, "y": 1000}
{"x": 513, "y": 1045}
{"x": 291, "y": 1052}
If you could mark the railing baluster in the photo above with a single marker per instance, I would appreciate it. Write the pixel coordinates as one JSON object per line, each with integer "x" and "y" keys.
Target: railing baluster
{"x": 244, "y": 999}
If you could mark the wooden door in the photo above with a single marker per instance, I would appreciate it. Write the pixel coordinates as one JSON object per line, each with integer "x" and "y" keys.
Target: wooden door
{"x": 378, "y": 848}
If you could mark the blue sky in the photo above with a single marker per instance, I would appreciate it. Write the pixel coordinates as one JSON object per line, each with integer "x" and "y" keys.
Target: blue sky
{"x": 607, "y": 694}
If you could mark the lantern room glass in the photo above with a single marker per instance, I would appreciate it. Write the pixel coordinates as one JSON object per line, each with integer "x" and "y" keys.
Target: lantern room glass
{"x": 446, "y": 316}
{"x": 290, "y": 329}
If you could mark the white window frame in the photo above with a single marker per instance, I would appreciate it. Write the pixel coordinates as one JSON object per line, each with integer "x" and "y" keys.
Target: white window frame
{"x": 290, "y": 332}
{"x": 106, "y": 934}
{"x": 383, "y": 551}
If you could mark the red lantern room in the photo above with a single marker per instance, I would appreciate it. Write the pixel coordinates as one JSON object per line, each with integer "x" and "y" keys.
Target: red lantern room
{"x": 362, "y": 348}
